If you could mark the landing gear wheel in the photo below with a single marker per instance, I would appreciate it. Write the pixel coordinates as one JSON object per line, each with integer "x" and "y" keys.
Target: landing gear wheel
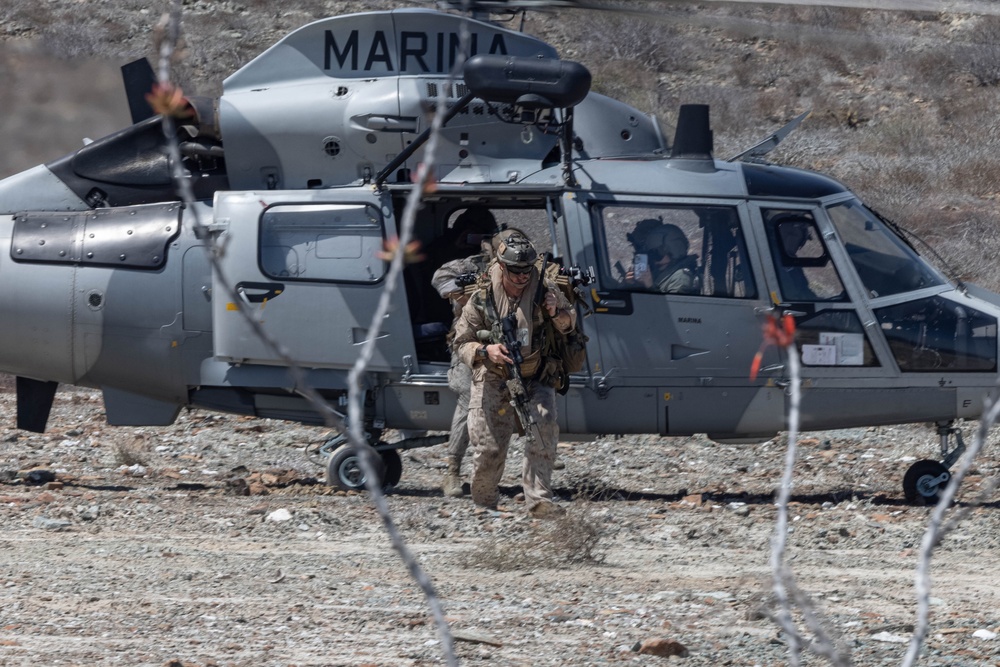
{"x": 924, "y": 482}
{"x": 343, "y": 469}
{"x": 393, "y": 465}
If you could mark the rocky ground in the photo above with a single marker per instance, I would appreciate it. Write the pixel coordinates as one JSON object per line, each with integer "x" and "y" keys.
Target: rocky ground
{"x": 143, "y": 551}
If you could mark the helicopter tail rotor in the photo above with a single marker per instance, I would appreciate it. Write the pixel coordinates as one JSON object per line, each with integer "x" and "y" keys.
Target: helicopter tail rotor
{"x": 34, "y": 402}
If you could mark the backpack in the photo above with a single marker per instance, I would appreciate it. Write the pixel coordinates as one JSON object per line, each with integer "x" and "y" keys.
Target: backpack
{"x": 566, "y": 353}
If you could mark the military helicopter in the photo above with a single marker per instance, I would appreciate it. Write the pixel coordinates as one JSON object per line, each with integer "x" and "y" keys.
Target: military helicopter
{"x": 301, "y": 170}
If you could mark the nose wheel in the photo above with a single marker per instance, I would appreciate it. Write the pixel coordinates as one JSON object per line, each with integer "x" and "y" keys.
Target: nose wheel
{"x": 926, "y": 479}
{"x": 924, "y": 482}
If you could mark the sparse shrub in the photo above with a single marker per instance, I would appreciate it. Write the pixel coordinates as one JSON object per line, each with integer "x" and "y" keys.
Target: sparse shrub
{"x": 934, "y": 69}
{"x": 982, "y": 55}
{"x": 903, "y": 134}
{"x": 573, "y": 539}
{"x": 978, "y": 175}
{"x": 131, "y": 453}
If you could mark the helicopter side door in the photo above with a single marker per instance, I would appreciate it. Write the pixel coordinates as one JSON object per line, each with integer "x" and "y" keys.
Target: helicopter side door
{"x": 677, "y": 315}
{"x": 308, "y": 267}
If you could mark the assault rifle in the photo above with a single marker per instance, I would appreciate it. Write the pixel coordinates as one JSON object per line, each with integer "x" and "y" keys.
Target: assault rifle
{"x": 515, "y": 383}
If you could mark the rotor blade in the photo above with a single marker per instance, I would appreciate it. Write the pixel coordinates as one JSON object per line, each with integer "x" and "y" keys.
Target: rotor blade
{"x": 34, "y": 402}
{"x": 950, "y": 6}
{"x": 985, "y": 7}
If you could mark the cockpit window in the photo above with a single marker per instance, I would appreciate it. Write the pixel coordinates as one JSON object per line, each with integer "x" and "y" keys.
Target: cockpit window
{"x": 804, "y": 269}
{"x": 693, "y": 250}
{"x": 935, "y": 334}
{"x": 884, "y": 262}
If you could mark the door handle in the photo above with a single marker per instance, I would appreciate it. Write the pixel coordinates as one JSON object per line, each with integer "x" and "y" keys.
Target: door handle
{"x": 259, "y": 292}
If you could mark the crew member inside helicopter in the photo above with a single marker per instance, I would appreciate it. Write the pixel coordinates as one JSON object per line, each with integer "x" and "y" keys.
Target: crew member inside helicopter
{"x": 432, "y": 316}
{"x": 804, "y": 269}
{"x": 663, "y": 262}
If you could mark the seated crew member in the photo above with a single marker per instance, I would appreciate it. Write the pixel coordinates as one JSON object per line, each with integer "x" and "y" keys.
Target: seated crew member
{"x": 670, "y": 269}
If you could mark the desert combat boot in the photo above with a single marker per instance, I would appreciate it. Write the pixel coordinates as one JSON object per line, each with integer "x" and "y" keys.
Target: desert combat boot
{"x": 452, "y": 482}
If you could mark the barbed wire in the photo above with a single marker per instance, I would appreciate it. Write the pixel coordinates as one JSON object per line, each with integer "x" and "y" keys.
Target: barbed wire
{"x": 168, "y": 36}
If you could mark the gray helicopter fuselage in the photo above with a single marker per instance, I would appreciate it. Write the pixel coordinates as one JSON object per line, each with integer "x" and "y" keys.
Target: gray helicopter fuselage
{"x": 124, "y": 299}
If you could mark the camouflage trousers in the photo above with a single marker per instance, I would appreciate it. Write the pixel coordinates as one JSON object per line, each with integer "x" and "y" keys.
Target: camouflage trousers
{"x": 492, "y": 422}
{"x": 460, "y": 382}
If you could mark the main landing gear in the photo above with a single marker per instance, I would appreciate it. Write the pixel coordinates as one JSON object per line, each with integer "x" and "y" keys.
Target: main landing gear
{"x": 343, "y": 465}
{"x": 926, "y": 479}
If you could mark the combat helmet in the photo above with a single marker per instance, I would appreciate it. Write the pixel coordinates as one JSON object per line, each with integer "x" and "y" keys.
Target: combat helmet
{"x": 515, "y": 250}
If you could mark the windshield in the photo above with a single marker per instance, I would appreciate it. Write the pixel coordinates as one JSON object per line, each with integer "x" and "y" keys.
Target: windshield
{"x": 884, "y": 262}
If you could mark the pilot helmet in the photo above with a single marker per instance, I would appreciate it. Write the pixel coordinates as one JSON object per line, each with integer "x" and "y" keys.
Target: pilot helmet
{"x": 637, "y": 237}
{"x": 795, "y": 233}
{"x": 666, "y": 240}
{"x": 515, "y": 251}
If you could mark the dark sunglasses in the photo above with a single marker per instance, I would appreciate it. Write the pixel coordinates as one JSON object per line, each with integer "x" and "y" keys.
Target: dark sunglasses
{"x": 518, "y": 270}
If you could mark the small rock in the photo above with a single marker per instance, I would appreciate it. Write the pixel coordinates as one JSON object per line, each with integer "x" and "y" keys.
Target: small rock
{"x": 279, "y": 515}
{"x": 984, "y": 634}
{"x": 739, "y": 509}
{"x": 695, "y": 499}
{"x": 474, "y": 638}
{"x": 890, "y": 638}
{"x": 45, "y": 523}
{"x": 237, "y": 486}
{"x": 39, "y": 476}
{"x": 258, "y": 489}
{"x": 663, "y": 648}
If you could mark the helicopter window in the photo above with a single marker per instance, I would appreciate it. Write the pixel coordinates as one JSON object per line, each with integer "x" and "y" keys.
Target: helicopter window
{"x": 936, "y": 335}
{"x": 678, "y": 250}
{"x": 884, "y": 262}
{"x": 801, "y": 262}
{"x": 323, "y": 242}
{"x": 833, "y": 338}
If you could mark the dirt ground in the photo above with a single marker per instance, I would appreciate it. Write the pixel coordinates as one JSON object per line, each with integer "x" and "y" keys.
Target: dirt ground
{"x": 144, "y": 551}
